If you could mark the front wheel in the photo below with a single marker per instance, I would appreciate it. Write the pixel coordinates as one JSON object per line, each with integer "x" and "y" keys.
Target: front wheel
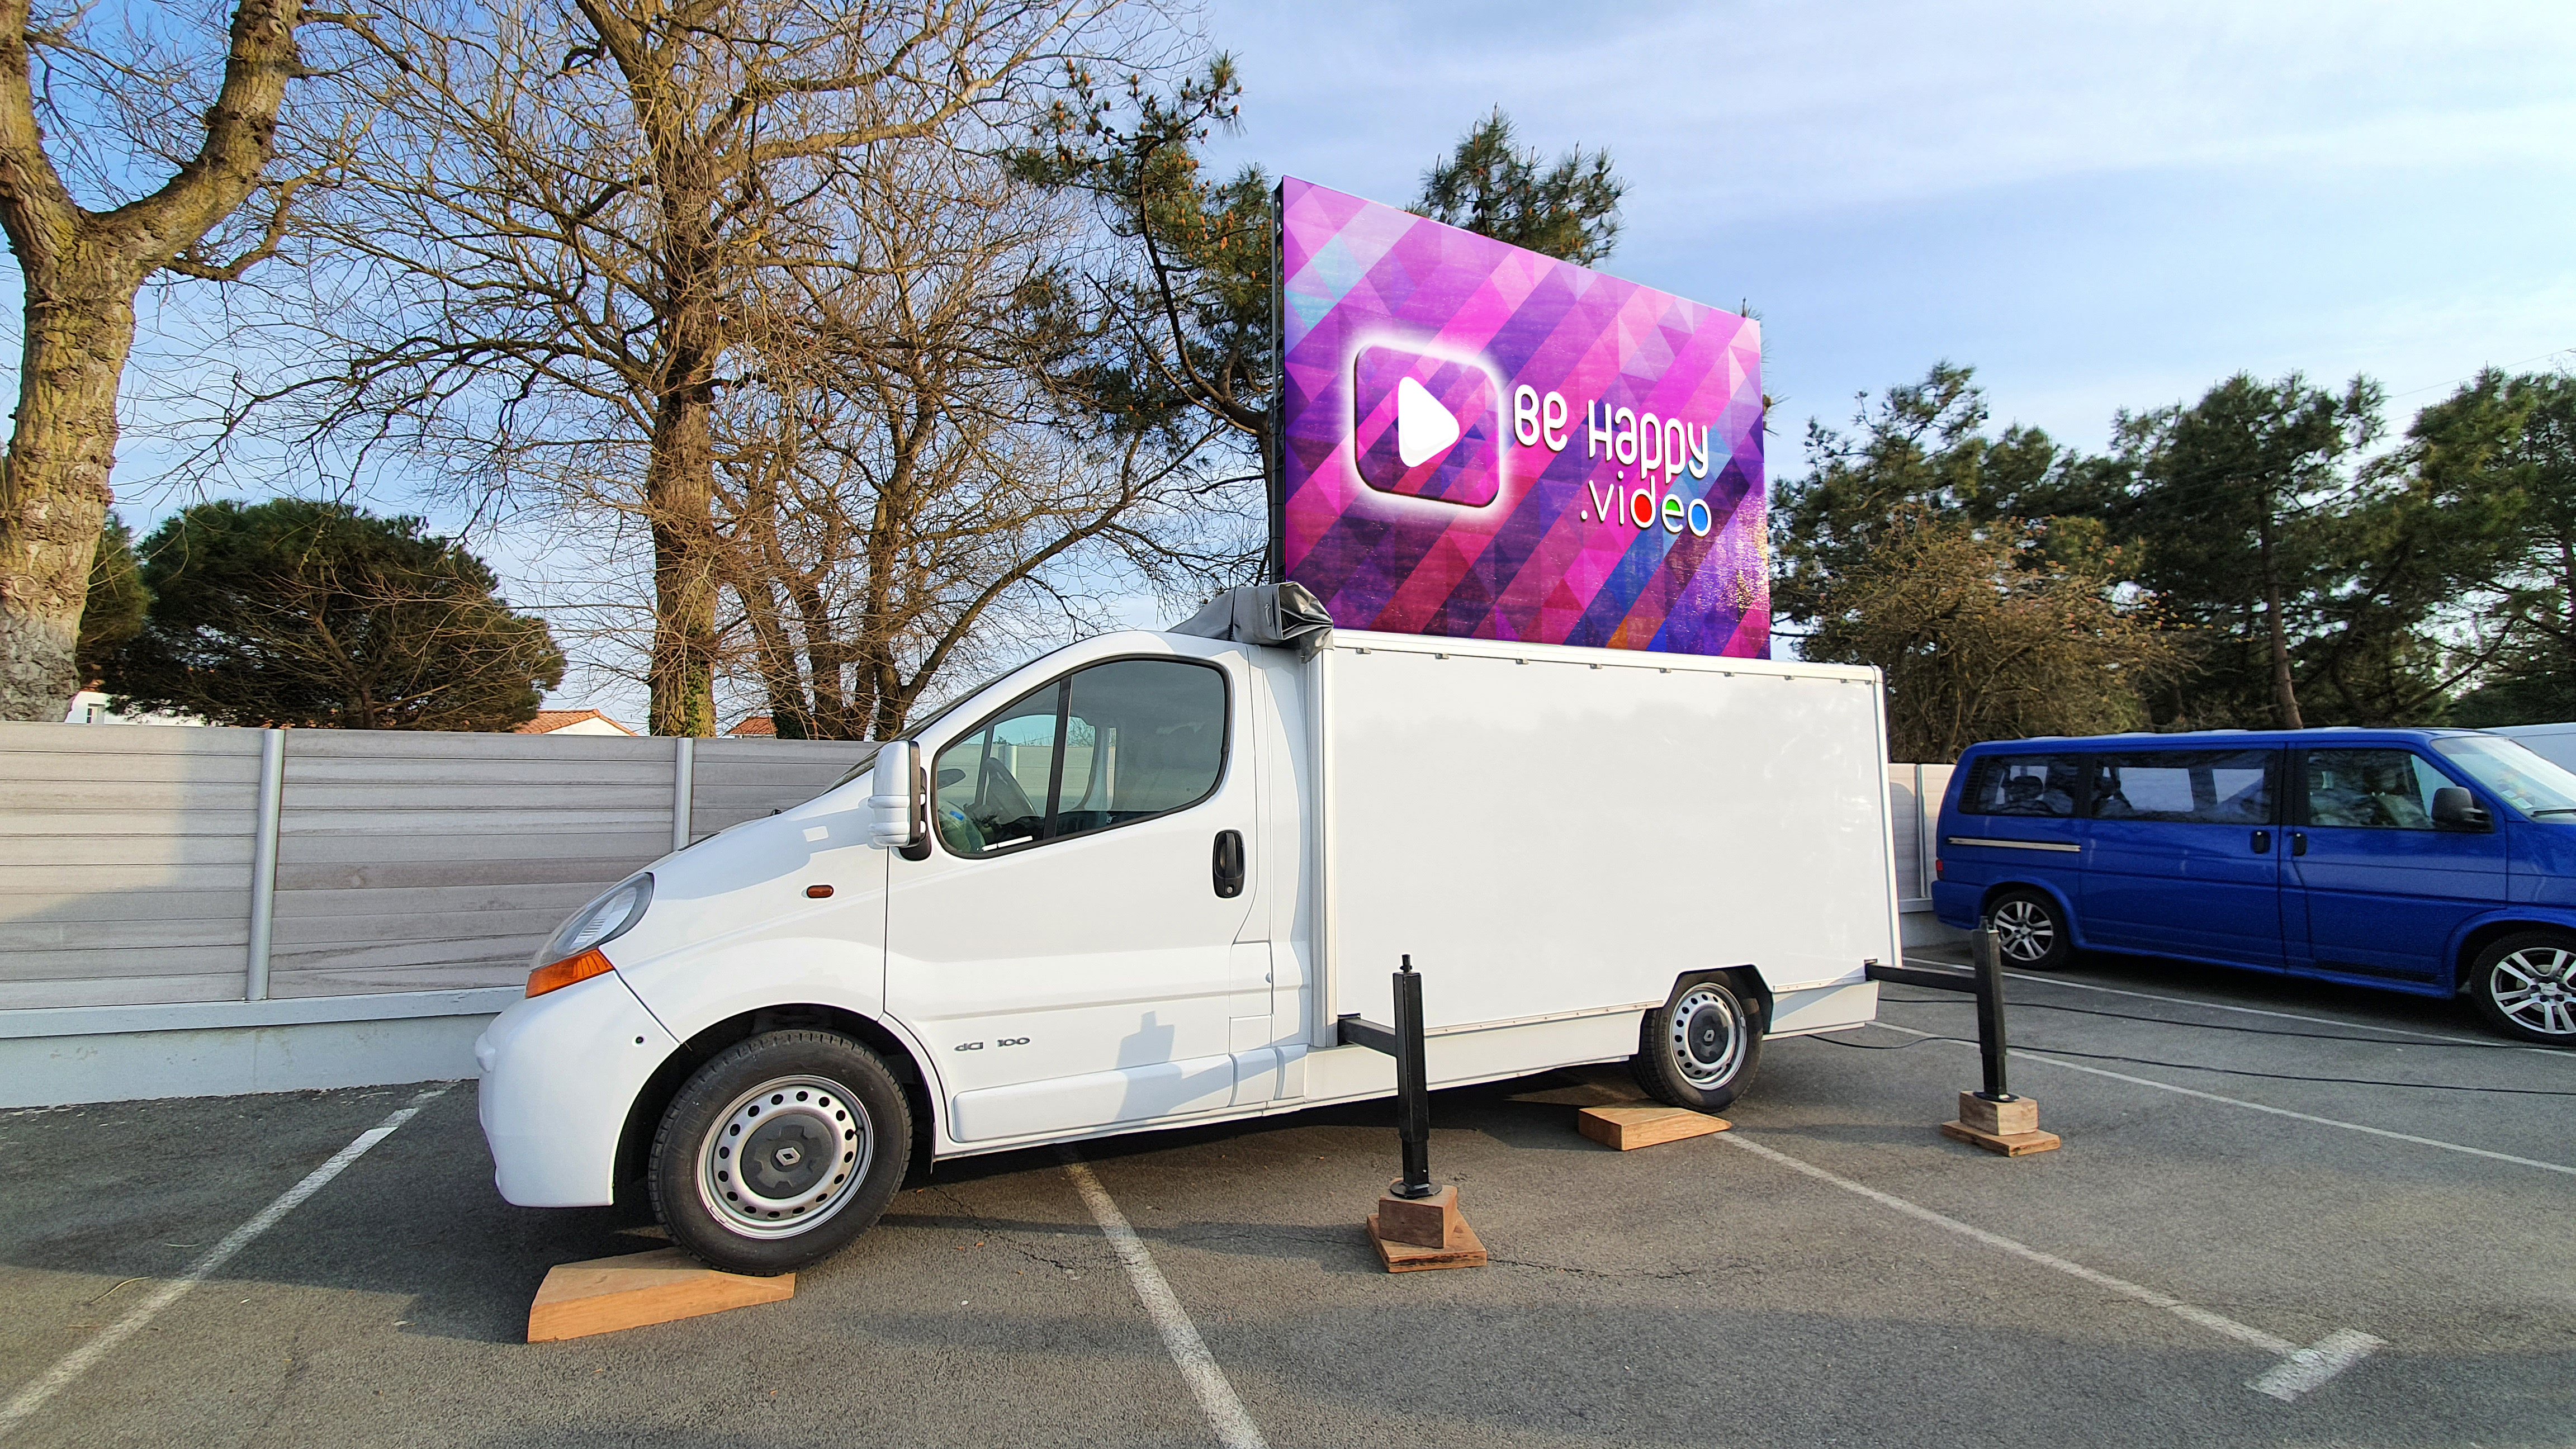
{"x": 2030, "y": 931}
{"x": 2526, "y": 986}
{"x": 779, "y": 1151}
{"x": 1699, "y": 1049}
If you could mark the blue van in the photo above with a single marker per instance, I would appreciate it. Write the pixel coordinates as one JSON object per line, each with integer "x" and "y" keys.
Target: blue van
{"x": 2427, "y": 861}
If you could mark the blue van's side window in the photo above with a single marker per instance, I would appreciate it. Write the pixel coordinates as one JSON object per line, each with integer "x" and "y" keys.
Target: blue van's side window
{"x": 2042, "y": 785}
{"x": 2374, "y": 789}
{"x": 2201, "y": 787}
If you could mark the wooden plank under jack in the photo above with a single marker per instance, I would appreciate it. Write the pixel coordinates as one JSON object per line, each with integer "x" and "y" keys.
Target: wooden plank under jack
{"x": 1466, "y": 1251}
{"x": 2010, "y": 1128}
{"x": 1629, "y": 1128}
{"x": 604, "y": 1295}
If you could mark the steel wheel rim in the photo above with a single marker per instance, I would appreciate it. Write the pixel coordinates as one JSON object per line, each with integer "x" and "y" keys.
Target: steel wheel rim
{"x": 1706, "y": 1035}
{"x": 2535, "y": 989}
{"x": 785, "y": 1157}
{"x": 2023, "y": 931}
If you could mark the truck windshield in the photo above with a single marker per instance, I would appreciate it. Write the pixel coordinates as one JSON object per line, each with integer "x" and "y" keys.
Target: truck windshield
{"x": 2527, "y": 782}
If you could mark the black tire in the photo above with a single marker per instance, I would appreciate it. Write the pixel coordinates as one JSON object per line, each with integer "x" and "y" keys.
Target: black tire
{"x": 1699, "y": 1049}
{"x": 2031, "y": 931}
{"x": 2525, "y": 986}
{"x": 783, "y": 1094}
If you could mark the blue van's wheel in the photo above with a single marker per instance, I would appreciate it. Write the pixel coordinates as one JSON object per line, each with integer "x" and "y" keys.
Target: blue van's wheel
{"x": 2030, "y": 930}
{"x": 2526, "y": 986}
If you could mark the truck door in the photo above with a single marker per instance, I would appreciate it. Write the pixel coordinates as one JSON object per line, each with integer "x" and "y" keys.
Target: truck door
{"x": 2382, "y": 889}
{"x": 1067, "y": 946}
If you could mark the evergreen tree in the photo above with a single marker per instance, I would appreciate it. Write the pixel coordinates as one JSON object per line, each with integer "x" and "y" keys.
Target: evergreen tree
{"x": 318, "y": 615}
{"x": 2232, "y": 498}
{"x": 117, "y": 599}
{"x": 1493, "y": 188}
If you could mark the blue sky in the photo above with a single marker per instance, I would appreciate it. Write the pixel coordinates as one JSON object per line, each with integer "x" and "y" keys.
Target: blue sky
{"x": 2095, "y": 206}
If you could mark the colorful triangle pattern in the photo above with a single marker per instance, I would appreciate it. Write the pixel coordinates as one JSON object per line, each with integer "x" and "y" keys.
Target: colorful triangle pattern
{"x": 1527, "y": 528}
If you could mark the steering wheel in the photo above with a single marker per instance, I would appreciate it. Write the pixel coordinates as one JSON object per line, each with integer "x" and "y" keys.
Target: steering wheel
{"x": 1004, "y": 801}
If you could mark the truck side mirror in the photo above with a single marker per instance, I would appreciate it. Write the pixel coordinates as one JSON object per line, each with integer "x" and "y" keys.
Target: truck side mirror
{"x": 2454, "y": 808}
{"x": 896, "y": 817}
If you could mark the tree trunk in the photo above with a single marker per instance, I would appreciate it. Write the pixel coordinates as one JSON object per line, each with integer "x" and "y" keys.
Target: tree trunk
{"x": 79, "y": 271}
{"x": 54, "y": 486}
{"x": 2285, "y": 698}
{"x": 679, "y": 484}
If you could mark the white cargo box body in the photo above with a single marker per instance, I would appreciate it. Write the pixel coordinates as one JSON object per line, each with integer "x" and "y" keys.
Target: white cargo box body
{"x": 1555, "y": 834}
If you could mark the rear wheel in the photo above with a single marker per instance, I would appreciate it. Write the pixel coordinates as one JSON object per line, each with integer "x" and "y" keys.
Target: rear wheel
{"x": 2030, "y": 930}
{"x": 1699, "y": 1049}
{"x": 779, "y": 1151}
{"x": 2526, "y": 986}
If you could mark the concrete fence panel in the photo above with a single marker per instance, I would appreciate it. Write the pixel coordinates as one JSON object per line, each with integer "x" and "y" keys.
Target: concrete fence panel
{"x": 143, "y": 866}
{"x": 125, "y": 864}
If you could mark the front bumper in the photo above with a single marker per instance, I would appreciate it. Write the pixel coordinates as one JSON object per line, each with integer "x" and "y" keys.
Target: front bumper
{"x": 560, "y": 1072}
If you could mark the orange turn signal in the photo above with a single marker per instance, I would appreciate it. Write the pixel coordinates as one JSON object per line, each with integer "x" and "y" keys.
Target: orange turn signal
{"x": 567, "y": 971}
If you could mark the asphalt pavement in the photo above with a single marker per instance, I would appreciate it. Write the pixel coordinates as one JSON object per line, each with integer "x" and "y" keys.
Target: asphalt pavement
{"x": 1832, "y": 1272}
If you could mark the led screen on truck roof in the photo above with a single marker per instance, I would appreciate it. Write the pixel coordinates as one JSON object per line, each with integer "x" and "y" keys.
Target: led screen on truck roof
{"x": 1488, "y": 443}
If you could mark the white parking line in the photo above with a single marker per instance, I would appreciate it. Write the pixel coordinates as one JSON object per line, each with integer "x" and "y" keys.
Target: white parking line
{"x": 2300, "y": 1369}
{"x": 2040, "y": 1054}
{"x": 2315, "y": 1364}
{"x": 1234, "y": 1428}
{"x": 54, "y": 1380}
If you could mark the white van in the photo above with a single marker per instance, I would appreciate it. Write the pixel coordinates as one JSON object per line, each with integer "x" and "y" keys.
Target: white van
{"x": 1136, "y": 882}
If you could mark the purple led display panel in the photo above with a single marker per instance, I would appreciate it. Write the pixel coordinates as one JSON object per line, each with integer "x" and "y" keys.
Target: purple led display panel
{"x": 1488, "y": 443}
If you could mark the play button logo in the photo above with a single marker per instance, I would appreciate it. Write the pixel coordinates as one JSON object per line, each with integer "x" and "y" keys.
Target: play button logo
{"x": 1426, "y": 426}
{"x": 1423, "y": 428}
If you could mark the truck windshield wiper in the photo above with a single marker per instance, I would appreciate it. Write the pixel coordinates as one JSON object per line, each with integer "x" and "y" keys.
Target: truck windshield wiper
{"x": 2557, "y": 810}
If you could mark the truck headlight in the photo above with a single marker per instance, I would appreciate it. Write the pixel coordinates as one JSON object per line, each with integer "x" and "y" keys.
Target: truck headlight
{"x": 602, "y": 921}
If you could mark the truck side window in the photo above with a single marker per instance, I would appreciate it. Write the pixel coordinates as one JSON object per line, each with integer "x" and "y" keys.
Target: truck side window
{"x": 990, "y": 788}
{"x": 2374, "y": 789}
{"x": 2022, "y": 785}
{"x": 1104, "y": 746}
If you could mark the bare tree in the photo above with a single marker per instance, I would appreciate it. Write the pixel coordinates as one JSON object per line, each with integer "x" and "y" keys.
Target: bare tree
{"x": 83, "y": 263}
{"x": 561, "y": 221}
{"x": 919, "y": 473}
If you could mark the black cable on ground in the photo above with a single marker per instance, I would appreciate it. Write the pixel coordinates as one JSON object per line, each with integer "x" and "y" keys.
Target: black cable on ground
{"x": 2197, "y": 1067}
{"x": 2475, "y": 1046}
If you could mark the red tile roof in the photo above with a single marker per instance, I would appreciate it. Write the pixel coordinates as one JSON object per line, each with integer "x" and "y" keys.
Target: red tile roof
{"x": 759, "y": 724}
{"x": 550, "y": 720}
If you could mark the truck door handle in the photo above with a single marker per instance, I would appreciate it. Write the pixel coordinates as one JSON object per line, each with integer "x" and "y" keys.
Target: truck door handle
{"x": 2298, "y": 842}
{"x": 1228, "y": 864}
{"x": 2262, "y": 842}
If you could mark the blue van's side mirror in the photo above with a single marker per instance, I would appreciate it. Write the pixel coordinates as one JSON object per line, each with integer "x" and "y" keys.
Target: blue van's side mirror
{"x": 2456, "y": 809}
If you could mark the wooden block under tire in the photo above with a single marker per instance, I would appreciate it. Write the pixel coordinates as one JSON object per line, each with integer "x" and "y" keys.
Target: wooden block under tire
{"x": 604, "y": 1295}
{"x": 1629, "y": 1128}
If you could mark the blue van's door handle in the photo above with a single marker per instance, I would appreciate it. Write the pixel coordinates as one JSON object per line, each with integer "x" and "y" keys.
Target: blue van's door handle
{"x": 2298, "y": 842}
{"x": 2262, "y": 842}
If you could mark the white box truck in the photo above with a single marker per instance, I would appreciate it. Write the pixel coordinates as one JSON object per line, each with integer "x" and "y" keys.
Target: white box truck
{"x": 1136, "y": 882}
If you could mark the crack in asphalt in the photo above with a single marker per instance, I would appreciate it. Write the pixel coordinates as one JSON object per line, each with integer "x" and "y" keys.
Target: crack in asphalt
{"x": 1013, "y": 1240}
